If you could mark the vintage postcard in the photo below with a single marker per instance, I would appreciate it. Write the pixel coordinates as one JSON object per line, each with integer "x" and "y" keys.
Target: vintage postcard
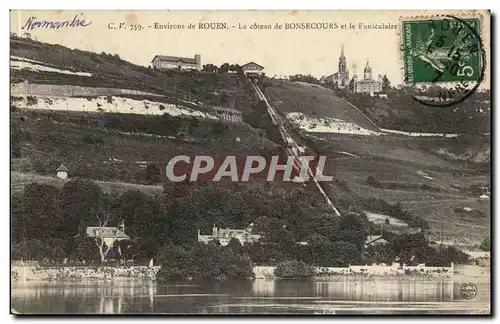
{"x": 250, "y": 162}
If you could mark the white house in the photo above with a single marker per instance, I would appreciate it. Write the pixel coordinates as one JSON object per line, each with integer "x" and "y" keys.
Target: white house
{"x": 224, "y": 235}
{"x": 62, "y": 172}
{"x": 252, "y": 68}
{"x": 163, "y": 62}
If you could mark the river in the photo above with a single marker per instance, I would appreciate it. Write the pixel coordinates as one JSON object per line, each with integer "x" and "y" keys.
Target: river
{"x": 260, "y": 296}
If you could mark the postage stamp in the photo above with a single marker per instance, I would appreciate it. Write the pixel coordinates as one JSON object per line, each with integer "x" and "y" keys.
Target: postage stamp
{"x": 444, "y": 49}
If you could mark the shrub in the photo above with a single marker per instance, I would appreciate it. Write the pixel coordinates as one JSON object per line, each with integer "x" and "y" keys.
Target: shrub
{"x": 31, "y": 100}
{"x": 293, "y": 269}
{"x": 14, "y": 98}
{"x": 485, "y": 244}
{"x": 372, "y": 182}
{"x": 93, "y": 139}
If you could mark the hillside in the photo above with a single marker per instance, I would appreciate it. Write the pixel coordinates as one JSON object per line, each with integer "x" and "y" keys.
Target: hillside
{"x": 433, "y": 177}
{"x": 42, "y": 63}
{"x": 129, "y": 139}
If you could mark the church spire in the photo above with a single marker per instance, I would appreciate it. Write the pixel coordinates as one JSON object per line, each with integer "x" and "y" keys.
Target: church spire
{"x": 368, "y": 70}
{"x": 342, "y": 51}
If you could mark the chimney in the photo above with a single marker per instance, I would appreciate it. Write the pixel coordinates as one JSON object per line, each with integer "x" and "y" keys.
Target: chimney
{"x": 197, "y": 57}
{"x": 214, "y": 231}
{"x": 121, "y": 227}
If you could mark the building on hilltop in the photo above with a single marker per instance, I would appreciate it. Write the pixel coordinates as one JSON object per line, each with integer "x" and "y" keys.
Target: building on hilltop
{"x": 367, "y": 84}
{"x": 225, "y": 235}
{"x": 329, "y": 79}
{"x": 341, "y": 78}
{"x": 62, "y": 172}
{"x": 252, "y": 68}
{"x": 163, "y": 62}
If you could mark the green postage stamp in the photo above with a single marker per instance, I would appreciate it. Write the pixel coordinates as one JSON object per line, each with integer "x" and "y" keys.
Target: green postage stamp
{"x": 444, "y": 49}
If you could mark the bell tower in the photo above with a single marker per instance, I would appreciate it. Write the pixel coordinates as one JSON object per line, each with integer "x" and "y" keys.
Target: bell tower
{"x": 343, "y": 73}
{"x": 368, "y": 70}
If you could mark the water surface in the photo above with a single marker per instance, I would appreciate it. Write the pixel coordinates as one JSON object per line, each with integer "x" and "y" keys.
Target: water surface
{"x": 260, "y": 296}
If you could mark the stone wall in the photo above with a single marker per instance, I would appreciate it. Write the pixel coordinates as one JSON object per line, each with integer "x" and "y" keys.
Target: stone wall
{"x": 26, "y": 88}
{"x": 373, "y": 270}
{"x": 62, "y": 273}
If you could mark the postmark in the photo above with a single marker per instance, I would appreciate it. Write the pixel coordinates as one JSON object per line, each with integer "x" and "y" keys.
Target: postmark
{"x": 446, "y": 52}
{"x": 468, "y": 290}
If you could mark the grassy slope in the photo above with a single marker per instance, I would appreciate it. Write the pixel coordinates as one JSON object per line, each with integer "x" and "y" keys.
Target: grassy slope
{"x": 110, "y": 71}
{"x": 87, "y": 145}
{"x": 314, "y": 101}
{"x": 20, "y": 179}
{"x": 394, "y": 159}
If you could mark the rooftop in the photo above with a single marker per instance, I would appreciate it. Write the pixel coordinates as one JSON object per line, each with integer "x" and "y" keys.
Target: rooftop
{"x": 175, "y": 59}
{"x": 106, "y": 232}
{"x": 252, "y": 63}
{"x": 62, "y": 168}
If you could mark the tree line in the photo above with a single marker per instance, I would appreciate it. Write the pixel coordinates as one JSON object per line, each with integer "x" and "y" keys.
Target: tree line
{"x": 50, "y": 223}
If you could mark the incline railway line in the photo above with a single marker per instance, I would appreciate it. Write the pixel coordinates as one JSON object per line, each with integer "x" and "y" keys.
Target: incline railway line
{"x": 294, "y": 150}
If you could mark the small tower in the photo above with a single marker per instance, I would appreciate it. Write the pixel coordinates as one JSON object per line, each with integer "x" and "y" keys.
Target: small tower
{"x": 62, "y": 172}
{"x": 121, "y": 226}
{"x": 368, "y": 70}
{"x": 343, "y": 72}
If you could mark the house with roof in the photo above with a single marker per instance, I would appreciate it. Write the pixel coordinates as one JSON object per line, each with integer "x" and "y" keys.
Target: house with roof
{"x": 224, "y": 235}
{"x": 329, "y": 79}
{"x": 375, "y": 240}
{"x": 252, "y": 68}
{"x": 164, "y": 62}
{"x": 62, "y": 172}
{"x": 108, "y": 234}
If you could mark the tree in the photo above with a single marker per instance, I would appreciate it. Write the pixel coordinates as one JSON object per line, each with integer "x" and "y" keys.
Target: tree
{"x": 351, "y": 84}
{"x": 386, "y": 84}
{"x": 234, "y": 244}
{"x": 293, "y": 269}
{"x": 101, "y": 240}
{"x": 224, "y": 68}
{"x": 209, "y": 68}
{"x": 41, "y": 217}
{"x": 80, "y": 201}
{"x": 153, "y": 174}
{"x": 486, "y": 244}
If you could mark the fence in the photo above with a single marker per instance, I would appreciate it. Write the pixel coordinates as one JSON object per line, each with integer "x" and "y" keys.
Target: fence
{"x": 26, "y": 88}
{"x": 228, "y": 114}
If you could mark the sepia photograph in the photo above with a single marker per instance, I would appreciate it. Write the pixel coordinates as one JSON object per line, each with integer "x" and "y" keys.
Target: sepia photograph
{"x": 286, "y": 162}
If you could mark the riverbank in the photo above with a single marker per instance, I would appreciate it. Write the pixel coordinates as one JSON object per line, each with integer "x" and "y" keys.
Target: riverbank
{"x": 80, "y": 273}
{"x": 376, "y": 270}
{"x": 33, "y": 272}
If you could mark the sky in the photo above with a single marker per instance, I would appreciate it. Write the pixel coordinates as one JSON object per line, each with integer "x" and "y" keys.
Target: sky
{"x": 281, "y": 51}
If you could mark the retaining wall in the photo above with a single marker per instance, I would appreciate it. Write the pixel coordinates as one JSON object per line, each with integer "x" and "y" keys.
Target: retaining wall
{"x": 26, "y": 88}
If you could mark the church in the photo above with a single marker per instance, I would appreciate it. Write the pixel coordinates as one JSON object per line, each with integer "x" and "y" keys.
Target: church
{"x": 341, "y": 78}
{"x": 367, "y": 84}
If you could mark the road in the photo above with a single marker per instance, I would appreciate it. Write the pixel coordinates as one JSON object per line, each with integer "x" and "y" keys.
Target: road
{"x": 293, "y": 148}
